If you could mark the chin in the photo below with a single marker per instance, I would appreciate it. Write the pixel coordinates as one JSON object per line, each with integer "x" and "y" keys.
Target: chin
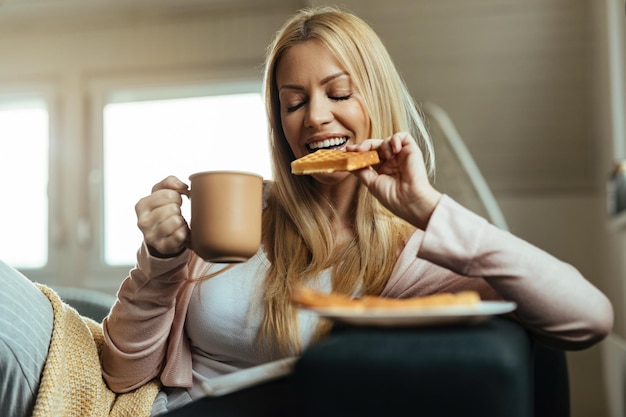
{"x": 332, "y": 178}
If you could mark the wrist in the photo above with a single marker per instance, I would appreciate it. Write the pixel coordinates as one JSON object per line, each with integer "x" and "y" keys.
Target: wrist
{"x": 423, "y": 208}
{"x": 155, "y": 253}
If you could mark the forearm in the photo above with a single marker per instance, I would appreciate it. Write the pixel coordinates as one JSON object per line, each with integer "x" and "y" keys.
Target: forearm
{"x": 554, "y": 300}
{"x": 137, "y": 329}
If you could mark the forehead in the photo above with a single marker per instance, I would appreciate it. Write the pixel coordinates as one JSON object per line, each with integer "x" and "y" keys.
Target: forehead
{"x": 307, "y": 61}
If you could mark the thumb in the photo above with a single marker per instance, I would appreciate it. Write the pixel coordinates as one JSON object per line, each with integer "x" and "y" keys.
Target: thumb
{"x": 366, "y": 175}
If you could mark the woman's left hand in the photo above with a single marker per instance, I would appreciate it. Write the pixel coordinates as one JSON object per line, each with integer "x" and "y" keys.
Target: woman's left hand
{"x": 400, "y": 181}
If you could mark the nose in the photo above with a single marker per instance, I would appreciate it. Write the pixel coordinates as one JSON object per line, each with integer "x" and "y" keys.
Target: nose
{"x": 318, "y": 112}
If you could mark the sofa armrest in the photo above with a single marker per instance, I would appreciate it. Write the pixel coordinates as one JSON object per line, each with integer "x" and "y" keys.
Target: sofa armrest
{"x": 89, "y": 303}
{"x": 479, "y": 370}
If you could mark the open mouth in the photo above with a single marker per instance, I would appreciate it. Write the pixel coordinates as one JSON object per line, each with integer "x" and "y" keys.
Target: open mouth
{"x": 331, "y": 143}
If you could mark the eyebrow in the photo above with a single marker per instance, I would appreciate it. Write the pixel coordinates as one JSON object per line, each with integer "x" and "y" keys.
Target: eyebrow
{"x": 324, "y": 81}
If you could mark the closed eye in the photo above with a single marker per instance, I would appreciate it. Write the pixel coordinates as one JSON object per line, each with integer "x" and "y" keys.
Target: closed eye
{"x": 340, "y": 98}
{"x": 291, "y": 109}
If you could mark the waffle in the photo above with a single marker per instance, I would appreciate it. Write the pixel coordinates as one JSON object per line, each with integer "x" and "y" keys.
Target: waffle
{"x": 309, "y": 298}
{"x": 327, "y": 160}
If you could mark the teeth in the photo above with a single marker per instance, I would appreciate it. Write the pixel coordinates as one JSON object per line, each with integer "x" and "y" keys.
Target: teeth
{"x": 327, "y": 143}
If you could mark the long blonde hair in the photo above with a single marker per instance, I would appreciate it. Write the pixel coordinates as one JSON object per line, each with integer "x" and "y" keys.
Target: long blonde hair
{"x": 297, "y": 235}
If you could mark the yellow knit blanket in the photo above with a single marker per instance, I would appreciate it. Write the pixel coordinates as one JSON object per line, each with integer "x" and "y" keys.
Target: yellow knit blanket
{"x": 72, "y": 383}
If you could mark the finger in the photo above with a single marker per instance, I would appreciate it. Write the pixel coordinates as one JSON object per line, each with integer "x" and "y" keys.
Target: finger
{"x": 367, "y": 176}
{"x": 172, "y": 228}
{"x": 168, "y": 236}
{"x": 152, "y": 217}
{"x": 398, "y": 141}
{"x": 157, "y": 199}
{"x": 170, "y": 245}
{"x": 172, "y": 183}
{"x": 158, "y": 220}
{"x": 386, "y": 149}
{"x": 367, "y": 145}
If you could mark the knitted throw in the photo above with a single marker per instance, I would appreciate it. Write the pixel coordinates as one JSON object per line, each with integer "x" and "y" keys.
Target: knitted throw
{"x": 72, "y": 383}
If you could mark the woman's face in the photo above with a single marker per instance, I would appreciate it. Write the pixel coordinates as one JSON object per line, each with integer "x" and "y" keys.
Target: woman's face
{"x": 319, "y": 105}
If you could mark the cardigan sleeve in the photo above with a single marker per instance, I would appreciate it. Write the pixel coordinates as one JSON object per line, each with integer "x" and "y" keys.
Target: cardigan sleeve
{"x": 461, "y": 250}
{"x": 137, "y": 330}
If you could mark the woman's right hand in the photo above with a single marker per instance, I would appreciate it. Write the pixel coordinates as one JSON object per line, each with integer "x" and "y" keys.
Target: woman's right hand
{"x": 159, "y": 218}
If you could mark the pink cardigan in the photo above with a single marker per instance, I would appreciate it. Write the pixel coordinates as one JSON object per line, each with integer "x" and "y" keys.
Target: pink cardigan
{"x": 144, "y": 332}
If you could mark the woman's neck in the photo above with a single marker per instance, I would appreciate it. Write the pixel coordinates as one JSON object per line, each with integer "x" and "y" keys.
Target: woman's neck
{"x": 342, "y": 198}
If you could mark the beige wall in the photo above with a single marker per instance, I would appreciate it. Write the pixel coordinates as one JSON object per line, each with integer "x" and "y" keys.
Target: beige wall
{"x": 521, "y": 80}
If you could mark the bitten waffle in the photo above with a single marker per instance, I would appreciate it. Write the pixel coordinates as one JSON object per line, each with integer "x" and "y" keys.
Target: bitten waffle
{"x": 307, "y": 297}
{"x": 328, "y": 160}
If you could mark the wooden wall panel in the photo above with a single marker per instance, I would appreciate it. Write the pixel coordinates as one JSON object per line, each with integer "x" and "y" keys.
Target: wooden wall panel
{"x": 145, "y": 45}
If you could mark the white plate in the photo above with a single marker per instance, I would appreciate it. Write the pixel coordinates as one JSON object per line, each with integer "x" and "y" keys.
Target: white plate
{"x": 430, "y": 316}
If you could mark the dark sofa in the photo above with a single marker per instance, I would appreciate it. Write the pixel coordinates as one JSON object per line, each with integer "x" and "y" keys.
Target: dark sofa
{"x": 489, "y": 369}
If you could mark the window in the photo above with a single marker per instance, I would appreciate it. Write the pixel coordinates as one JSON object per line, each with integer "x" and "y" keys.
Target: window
{"x": 24, "y": 144}
{"x": 68, "y": 215}
{"x": 148, "y": 135}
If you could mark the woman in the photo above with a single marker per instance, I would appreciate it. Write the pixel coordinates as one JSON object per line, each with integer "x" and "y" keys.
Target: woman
{"x": 383, "y": 231}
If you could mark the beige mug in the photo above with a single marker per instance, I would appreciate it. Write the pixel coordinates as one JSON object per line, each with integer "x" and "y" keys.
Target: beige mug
{"x": 226, "y": 209}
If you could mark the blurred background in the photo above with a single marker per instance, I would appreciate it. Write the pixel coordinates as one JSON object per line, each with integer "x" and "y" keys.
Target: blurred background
{"x": 100, "y": 99}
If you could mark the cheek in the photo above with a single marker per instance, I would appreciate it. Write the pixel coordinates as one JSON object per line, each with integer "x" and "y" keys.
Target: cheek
{"x": 362, "y": 123}
{"x": 288, "y": 126}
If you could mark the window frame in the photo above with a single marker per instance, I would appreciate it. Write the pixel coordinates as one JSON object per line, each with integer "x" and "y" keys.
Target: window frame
{"x": 105, "y": 91}
{"x": 615, "y": 32}
{"x": 57, "y": 239}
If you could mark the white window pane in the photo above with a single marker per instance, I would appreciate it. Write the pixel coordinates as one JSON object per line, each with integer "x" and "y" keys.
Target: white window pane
{"x": 24, "y": 139}
{"x": 146, "y": 141}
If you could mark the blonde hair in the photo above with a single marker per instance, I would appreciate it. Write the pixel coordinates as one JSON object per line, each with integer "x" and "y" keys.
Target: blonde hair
{"x": 297, "y": 235}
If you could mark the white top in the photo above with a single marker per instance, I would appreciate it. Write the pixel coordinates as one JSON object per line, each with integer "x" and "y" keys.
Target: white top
{"x": 223, "y": 321}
